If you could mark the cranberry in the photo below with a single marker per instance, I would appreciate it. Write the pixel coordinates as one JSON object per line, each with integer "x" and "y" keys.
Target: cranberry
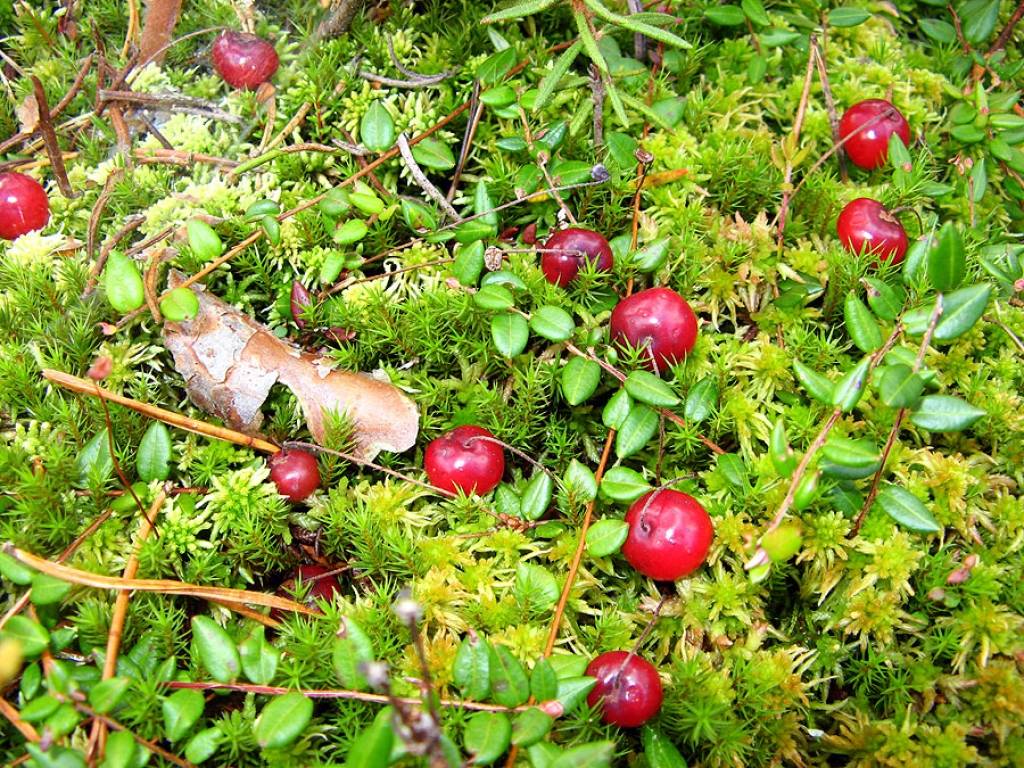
{"x": 244, "y": 60}
{"x": 869, "y": 148}
{"x": 573, "y": 246}
{"x": 866, "y": 225}
{"x": 669, "y": 535}
{"x": 295, "y": 473}
{"x": 315, "y": 584}
{"x": 661, "y": 320}
{"x": 457, "y": 462}
{"x": 628, "y": 689}
{"x": 24, "y": 206}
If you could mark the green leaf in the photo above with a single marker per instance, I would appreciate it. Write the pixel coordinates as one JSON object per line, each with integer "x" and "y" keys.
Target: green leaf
{"x": 636, "y": 431}
{"x": 418, "y": 216}
{"x": 586, "y": 37}
{"x": 536, "y": 586}
{"x": 494, "y": 297}
{"x": 377, "y": 128}
{"x": 817, "y": 386}
{"x": 39, "y": 708}
{"x": 179, "y": 304}
{"x": 579, "y": 380}
{"x": 659, "y": 751}
{"x": 597, "y": 754}
{"x": 856, "y": 454}
{"x": 433, "y": 153}
{"x": 900, "y": 387}
{"x": 652, "y": 256}
{"x": 372, "y": 748}
{"x": 961, "y": 310}
{"x": 216, "y": 649}
{"x": 94, "y": 461}
{"x": 725, "y": 15}
{"x": 367, "y": 202}
{"x": 606, "y": 537}
{"x": 106, "y": 694}
{"x": 885, "y": 300}
{"x": 623, "y": 484}
{"x": 471, "y": 670}
{"x": 469, "y": 263}
{"x": 547, "y": 86}
{"x": 861, "y": 324}
{"x": 517, "y": 11}
{"x": 259, "y": 658}
{"x": 850, "y": 388}
{"x": 495, "y": 67}
{"x": 352, "y": 647}
{"x": 616, "y": 409}
{"x": 203, "y": 240}
{"x": 635, "y": 23}
{"x": 647, "y": 388}
{"x": 733, "y": 470}
{"x": 283, "y": 720}
{"x": 482, "y": 205}
{"x": 154, "y": 456}
{"x": 352, "y": 231}
{"x": 580, "y": 480}
{"x": 755, "y": 11}
{"x": 938, "y": 30}
{"x": 530, "y": 726}
{"x": 946, "y": 261}
{"x": 783, "y": 458}
{"x": 567, "y": 665}
{"x": 979, "y": 180}
{"x": 121, "y": 751}
{"x": 701, "y": 400}
{"x": 906, "y": 509}
{"x": 203, "y": 745}
{"x": 979, "y": 19}
{"x": 123, "y": 283}
{"x": 14, "y": 571}
{"x": 543, "y": 680}
{"x": 487, "y": 736}
{"x": 509, "y": 685}
{"x": 499, "y": 96}
{"x": 944, "y": 413}
{"x": 553, "y": 323}
{"x": 48, "y": 590}
{"x": 573, "y": 690}
{"x": 847, "y": 17}
{"x": 182, "y": 709}
{"x": 537, "y": 496}
{"x": 510, "y": 333}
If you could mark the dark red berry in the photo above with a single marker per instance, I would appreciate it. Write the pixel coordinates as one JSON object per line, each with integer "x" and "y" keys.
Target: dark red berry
{"x": 658, "y": 319}
{"x": 300, "y": 302}
{"x": 295, "y": 473}
{"x": 669, "y": 535}
{"x": 566, "y": 250}
{"x": 869, "y": 148}
{"x": 315, "y": 585}
{"x": 244, "y": 60}
{"x": 24, "y": 206}
{"x": 458, "y": 462}
{"x": 628, "y": 689}
{"x": 865, "y": 225}
{"x": 529, "y": 236}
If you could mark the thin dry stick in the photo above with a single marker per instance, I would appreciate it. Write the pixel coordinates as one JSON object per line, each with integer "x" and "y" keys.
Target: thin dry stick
{"x": 98, "y": 737}
{"x": 421, "y": 179}
{"x": 227, "y": 597}
{"x": 14, "y": 717}
{"x": 597, "y": 92}
{"x": 76, "y": 86}
{"x": 795, "y": 136}
{"x": 477, "y": 111}
{"x": 179, "y": 157}
{"x": 830, "y": 105}
{"x": 89, "y": 387}
{"x": 178, "y": 103}
{"x": 337, "y": 693}
{"x": 290, "y": 126}
{"x": 50, "y": 140}
{"x": 93, "y": 229}
{"x": 115, "y": 725}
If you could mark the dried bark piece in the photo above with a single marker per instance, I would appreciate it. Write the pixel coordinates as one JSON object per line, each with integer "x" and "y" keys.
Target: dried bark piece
{"x": 230, "y": 362}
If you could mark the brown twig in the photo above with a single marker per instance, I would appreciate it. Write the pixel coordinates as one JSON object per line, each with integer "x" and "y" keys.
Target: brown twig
{"x": 89, "y": 387}
{"x": 476, "y": 112}
{"x": 179, "y": 157}
{"x": 50, "y": 140}
{"x": 597, "y": 94}
{"x": 14, "y": 717}
{"x": 169, "y": 101}
{"x": 421, "y": 179}
{"x": 161, "y": 18}
{"x": 76, "y": 86}
{"x": 830, "y": 106}
{"x": 92, "y": 230}
{"x": 150, "y": 745}
{"x": 794, "y": 137}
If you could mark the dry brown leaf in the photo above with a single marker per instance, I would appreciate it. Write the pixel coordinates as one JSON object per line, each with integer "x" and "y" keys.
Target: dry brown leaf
{"x": 28, "y": 114}
{"x": 230, "y": 362}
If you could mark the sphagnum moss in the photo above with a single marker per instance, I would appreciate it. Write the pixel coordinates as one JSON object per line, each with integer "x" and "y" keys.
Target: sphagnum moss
{"x": 893, "y": 640}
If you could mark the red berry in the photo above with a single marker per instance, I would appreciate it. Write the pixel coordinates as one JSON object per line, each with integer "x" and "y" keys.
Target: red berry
{"x": 669, "y": 535}
{"x": 628, "y": 689}
{"x": 659, "y": 319}
{"x": 244, "y": 60}
{"x": 315, "y": 585}
{"x": 573, "y": 246}
{"x": 457, "y": 462}
{"x": 869, "y": 148}
{"x": 295, "y": 473}
{"x": 865, "y": 225}
{"x": 24, "y": 206}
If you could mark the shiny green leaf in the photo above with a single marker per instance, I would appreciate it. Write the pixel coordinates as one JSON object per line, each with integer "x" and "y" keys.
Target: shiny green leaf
{"x": 606, "y": 537}
{"x": 944, "y": 413}
{"x": 906, "y": 509}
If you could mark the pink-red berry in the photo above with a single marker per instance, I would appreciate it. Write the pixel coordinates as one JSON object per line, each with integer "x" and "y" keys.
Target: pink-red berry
{"x": 24, "y": 206}
{"x": 628, "y": 689}
{"x": 460, "y": 461}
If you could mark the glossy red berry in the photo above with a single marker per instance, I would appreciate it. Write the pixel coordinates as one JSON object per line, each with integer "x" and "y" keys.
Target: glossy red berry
{"x": 865, "y": 225}
{"x": 669, "y": 535}
{"x": 24, "y": 206}
{"x": 244, "y": 60}
{"x": 295, "y": 473}
{"x": 869, "y": 147}
{"x": 566, "y": 251}
{"x": 458, "y": 462}
{"x": 315, "y": 586}
{"x": 658, "y": 319}
{"x": 628, "y": 689}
